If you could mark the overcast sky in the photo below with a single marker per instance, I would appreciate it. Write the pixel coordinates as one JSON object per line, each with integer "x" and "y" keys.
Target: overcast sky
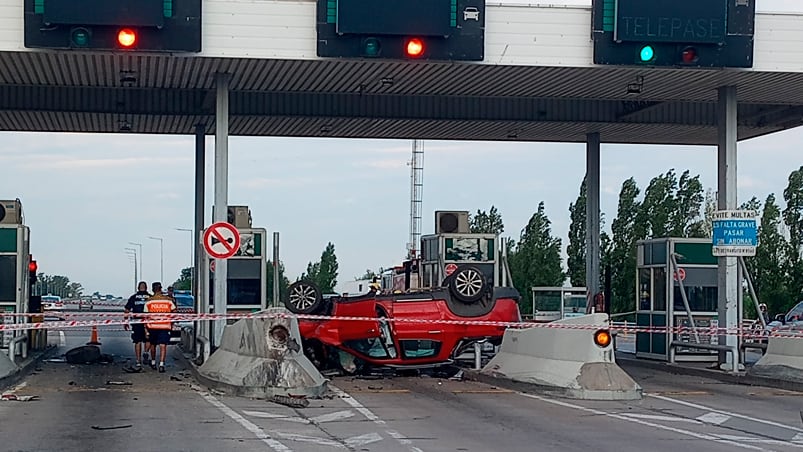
{"x": 86, "y": 197}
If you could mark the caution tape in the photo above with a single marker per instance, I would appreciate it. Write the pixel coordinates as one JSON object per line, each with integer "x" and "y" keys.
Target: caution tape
{"x": 120, "y": 318}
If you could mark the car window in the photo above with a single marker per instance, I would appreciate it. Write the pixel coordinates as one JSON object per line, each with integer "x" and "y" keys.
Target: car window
{"x": 370, "y": 347}
{"x": 796, "y": 313}
{"x": 424, "y": 348}
{"x": 184, "y": 301}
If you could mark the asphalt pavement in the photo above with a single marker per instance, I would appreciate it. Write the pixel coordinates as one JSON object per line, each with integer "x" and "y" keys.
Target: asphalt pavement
{"x": 100, "y": 407}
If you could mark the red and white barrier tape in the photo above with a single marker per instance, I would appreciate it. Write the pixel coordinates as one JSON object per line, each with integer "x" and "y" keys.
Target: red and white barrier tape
{"x": 122, "y": 319}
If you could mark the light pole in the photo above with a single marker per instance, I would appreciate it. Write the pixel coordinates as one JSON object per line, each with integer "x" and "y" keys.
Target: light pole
{"x": 192, "y": 244}
{"x": 142, "y": 275}
{"x": 161, "y": 258}
{"x": 133, "y": 253}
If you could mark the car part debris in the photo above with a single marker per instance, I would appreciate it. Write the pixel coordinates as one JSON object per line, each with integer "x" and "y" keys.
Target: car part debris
{"x": 118, "y": 383}
{"x": 18, "y": 398}
{"x": 111, "y": 427}
{"x": 291, "y": 401}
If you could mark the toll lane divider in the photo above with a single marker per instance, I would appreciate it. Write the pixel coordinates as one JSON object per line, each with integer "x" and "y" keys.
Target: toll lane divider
{"x": 120, "y": 318}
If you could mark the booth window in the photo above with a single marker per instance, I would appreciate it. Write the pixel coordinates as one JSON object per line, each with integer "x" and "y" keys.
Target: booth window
{"x": 659, "y": 289}
{"x": 701, "y": 299}
{"x": 8, "y": 278}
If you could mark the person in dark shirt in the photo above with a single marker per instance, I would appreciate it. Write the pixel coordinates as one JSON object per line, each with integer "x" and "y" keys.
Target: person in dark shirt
{"x": 136, "y": 305}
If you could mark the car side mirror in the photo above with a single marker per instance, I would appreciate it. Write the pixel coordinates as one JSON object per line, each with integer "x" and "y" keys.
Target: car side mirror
{"x": 780, "y": 318}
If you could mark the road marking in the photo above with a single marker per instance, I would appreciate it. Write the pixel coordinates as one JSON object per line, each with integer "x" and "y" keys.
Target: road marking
{"x": 246, "y": 424}
{"x": 727, "y": 413}
{"x": 714, "y": 418}
{"x": 798, "y": 438}
{"x": 702, "y": 436}
{"x": 655, "y": 417}
{"x": 329, "y": 417}
{"x": 310, "y": 439}
{"x": 372, "y": 417}
{"x": 62, "y": 339}
{"x": 361, "y": 440}
{"x": 280, "y": 417}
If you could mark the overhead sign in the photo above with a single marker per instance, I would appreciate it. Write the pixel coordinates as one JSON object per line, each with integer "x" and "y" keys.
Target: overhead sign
{"x": 664, "y": 21}
{"x": 735, "y": 233}
{"x": 221, "y": 240}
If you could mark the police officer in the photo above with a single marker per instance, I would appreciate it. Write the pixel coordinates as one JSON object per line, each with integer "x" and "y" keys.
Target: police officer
{"x": 159, "y": 330}
{"x": 136, "y": 304}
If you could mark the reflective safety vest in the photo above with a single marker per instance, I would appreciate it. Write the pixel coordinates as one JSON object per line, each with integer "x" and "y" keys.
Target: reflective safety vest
{"x": 159, "y": 305}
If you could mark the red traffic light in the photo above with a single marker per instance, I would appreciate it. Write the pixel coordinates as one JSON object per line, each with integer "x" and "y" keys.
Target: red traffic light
{"x": 126, "y": 37}
{"x": 32, "y": 266}
{"x": 689, "y": 55}
{"x": 414, "y": 47}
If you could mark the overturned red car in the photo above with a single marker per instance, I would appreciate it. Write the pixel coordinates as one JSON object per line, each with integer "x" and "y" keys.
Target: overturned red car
{"x": 382, "y": 337}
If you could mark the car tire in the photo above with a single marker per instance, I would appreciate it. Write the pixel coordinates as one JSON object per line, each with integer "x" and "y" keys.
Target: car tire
{"x": 304, "y": 298}
{"x": 467, "y": 284}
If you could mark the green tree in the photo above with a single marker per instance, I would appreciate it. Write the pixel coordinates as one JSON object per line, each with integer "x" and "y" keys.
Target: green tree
{"x": 486, "y": 223}
{"x": 768, "y": 267}
{"x": 685, "y": 220}
{"x": 537, "y": 260}
{"x": 576, "y": 249}
{"x": 625, "y": 231}
{"x": 184, "y": 281}
{"x": 75, "y": 290}
{"x": 284, "y": 283}
{"x": 705, "y": 227}
{"x": 658, "y": 207}
{"x": 793, "y": 218}
{"x": 324, "y": 272}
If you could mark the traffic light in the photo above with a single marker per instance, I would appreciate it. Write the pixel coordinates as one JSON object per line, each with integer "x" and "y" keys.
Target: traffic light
{"x": 678, "y": 33}
{"x": 32, "y": 269}
{"x": 402, "y": 29}
{"x": 122, "y": 25}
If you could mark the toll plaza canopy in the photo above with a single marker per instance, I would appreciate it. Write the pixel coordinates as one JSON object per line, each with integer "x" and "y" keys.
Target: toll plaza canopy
{"x": 536, "y": 81}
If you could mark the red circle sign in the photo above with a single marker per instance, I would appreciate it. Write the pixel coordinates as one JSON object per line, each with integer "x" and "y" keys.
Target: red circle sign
{"x": 450, "y": 268}
{"x": 212, "y": 266}
{"x": 680, "y": 275}
{"x": 221, "y": 240}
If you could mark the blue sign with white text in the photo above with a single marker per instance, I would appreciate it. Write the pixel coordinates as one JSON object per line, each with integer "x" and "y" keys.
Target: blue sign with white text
{"x": 735, "y": 233}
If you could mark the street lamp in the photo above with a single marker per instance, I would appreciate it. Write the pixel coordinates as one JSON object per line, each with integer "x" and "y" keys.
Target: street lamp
{"x": 161, "y": 258}
{"x": 133, "y": 253}
{"x": 192, "y": 245}
{"x": 140, "y": 258}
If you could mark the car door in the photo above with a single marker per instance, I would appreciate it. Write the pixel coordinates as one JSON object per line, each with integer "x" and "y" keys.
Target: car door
{"x": 418, "y": 332}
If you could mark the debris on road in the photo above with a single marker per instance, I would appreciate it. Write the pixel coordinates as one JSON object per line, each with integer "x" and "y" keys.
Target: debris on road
{"x": 118, "y": 383}
{"x": 111, "y": 427}
{"x": 56, "y": 360}
{"x": 457, "y": 377}
{"x": 291, "y": 401}
{"x": 18, "y": 398}
{"x": 174, "y": 378}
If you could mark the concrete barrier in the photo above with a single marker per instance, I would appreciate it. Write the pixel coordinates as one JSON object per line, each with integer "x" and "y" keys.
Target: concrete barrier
{"x": 566, "y": 361}
{"x": 262, "y": 358}
{"x": 783, "y": 359}
{"x": 7, "y": 367}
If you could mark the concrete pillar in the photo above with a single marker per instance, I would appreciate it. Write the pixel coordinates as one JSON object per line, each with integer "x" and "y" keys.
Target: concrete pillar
{"x": 221, "y": 194}
{"x": 592, "y": 215}
{"x": 201, "y": 302}
{"x": 728, "y": 307}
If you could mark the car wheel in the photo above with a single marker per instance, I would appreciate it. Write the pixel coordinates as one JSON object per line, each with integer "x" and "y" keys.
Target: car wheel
{"x": 467, "y": 284}
{"x": 304, "y": 298}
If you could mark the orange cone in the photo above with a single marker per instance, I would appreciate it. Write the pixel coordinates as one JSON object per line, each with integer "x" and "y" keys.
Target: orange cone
{"x": 93, "y": 340}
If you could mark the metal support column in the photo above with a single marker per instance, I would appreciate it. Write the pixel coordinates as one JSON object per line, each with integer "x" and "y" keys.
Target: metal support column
{"x": 728, "y": 307}
{"x": 276, "y": 267}
{"x": 201, "y": 302}
{"x": 221, "y": 195}
{"x": 592, "y": 215}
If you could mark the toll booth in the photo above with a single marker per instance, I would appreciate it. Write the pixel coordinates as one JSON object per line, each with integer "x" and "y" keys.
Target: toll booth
{"x": 555, "y": 303}
{"x": 247, "y": 274}
{"x": 664, "y": 266}
{"x": 441, "y": 254}
{"x": 15, "y": 282}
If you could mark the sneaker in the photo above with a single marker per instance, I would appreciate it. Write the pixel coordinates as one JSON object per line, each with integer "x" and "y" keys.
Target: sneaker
{"x": 138, "y": 366}
{"x": 161, "y": 369}
{"x": 153, "y": 366}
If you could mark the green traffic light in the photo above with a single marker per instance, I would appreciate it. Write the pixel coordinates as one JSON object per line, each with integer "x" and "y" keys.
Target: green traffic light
{"x": 80, "y": 37}
{"x": 647, "y": 54}
{"x": 371, "y": 47}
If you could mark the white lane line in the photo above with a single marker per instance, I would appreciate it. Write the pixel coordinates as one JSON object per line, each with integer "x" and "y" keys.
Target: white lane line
{"x": 373, "y": 418}
{"x": 310, "y": 439}
{"x": 655, "y": 417}
{"x": 280, "y": 417}
{"x": 702, "y": 436}
{"x": 361, "y": 440}
{"x": 714, "y": 418}
{"x": 330, "y": 417}
{"x": 246, "y": 424}
{"x": 62, "y": 339}
{"x": 726, "y": 413}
